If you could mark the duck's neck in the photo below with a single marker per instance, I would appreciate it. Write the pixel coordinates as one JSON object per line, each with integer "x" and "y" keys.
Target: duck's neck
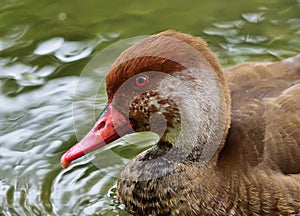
{"x": 157, "y": 182}
{"x": 155, "y": 163}
{"x": 202, "y": 107}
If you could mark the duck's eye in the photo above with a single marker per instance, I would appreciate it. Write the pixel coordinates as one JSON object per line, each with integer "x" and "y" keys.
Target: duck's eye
{"x": 141, "y": 81}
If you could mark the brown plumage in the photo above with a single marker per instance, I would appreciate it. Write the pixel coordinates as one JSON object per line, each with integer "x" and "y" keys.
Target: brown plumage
{"x": 240, "y": 147}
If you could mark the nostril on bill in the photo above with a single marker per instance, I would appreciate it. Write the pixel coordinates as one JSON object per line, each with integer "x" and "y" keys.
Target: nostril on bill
{"x": 100, "y": 126}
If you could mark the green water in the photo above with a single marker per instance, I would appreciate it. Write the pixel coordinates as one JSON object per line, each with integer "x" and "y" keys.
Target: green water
{"x": 44, "y": 48}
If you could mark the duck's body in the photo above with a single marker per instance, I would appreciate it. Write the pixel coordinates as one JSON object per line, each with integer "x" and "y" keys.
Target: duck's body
{"x": 235, "y": 157}
{"x": 258, "y": 170}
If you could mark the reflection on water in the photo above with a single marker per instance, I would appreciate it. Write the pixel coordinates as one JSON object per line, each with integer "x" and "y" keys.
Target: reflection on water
{"x": 12, "y": 37}
{"x": 256, "y": 36}
{"x": 44, "y": 47}
{"x": 32, "y": 122}
{"x": 65, "y": 51}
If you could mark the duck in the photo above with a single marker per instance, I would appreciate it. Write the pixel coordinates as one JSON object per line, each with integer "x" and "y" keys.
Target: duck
{"x": 229, "y": 140}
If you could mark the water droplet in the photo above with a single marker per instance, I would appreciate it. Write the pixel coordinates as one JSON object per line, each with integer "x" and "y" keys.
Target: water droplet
{"x": 62, "y": 16}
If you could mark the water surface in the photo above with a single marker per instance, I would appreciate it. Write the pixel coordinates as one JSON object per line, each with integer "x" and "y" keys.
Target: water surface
{"x": 44, "y": 48}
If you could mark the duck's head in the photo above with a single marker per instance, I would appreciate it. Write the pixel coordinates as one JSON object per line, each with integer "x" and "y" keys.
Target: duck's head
{"x": 170, "y": 84}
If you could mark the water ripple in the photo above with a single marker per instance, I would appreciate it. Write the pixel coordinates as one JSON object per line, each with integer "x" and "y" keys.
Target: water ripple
{"x": 39, "y": 122}
{"x": 11, "y": 38}
{"x": 72, "y": 51}
{"x": 253, "y": 17}
{"x": 49, "y": 46}
{"x": 66, "y": 51}
{"x": 17, "y": 75}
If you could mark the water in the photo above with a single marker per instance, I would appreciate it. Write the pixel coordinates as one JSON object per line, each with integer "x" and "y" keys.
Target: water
{"x": 44, "y": 48}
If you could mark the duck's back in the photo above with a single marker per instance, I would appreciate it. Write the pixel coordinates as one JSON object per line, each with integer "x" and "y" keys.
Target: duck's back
{"x": 264, "y": 137}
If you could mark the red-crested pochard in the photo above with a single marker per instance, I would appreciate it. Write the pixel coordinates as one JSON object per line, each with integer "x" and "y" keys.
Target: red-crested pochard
{"x": 229, "y": 141}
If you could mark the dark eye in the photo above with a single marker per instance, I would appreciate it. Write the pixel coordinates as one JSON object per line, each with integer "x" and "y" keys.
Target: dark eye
{"x": 141, "y": 81}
